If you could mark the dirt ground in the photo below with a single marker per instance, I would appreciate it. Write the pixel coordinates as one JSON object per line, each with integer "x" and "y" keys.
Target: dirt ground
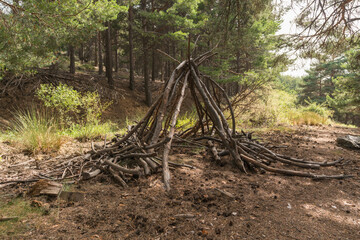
{"x": 263, "y": 206}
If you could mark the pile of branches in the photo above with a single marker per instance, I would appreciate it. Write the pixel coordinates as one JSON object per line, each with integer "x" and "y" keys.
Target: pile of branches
{"x": 146, "y": 146}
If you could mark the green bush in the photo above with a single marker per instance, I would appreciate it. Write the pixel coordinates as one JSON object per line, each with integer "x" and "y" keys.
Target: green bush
{"x": 72, "y": 106}
{"x": 63, "y": 98}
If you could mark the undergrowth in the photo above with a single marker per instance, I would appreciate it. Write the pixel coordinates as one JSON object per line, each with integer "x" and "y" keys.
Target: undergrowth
{"x": 278, "y": 107}
{"x": 73, "y": 114}
{"x": 90, "y": 131}
{"x": 36, "y": 131}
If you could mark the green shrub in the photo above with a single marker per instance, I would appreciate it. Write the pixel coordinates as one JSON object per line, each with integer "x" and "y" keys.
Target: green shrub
{"x": 92, "y": 107}
{"x": 63, "y": 98}
{"x": 36, "y": 131}
{"x": 72, "y": 106}
{"x": 320, "y": 109}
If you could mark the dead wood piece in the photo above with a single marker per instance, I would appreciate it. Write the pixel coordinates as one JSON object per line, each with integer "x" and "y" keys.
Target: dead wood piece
{"x": 138, "y": 155}
{"x": 45, "y": 187}
{"x": 20, "y": 181}
{"x": 165, "y": 164}
{"x": 185, "y": 215}
{"x": 3, "y": 219}
{"x": 144, "y": 164}
{"x": 214, "y": 152}
{"x": 167, "y": 55}
{"x": 152, "y": 164}
{"x": 88, "y": 175}
{"x": 22, "y": 163}
{"x": 293, "y": 172}
{"x": 123, "y": 169}
{"x": 225, "y": 193}
{"x": 118, "y": 178}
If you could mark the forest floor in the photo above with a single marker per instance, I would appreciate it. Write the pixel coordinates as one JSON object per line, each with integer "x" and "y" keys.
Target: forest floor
{"x": 257, "y": 206}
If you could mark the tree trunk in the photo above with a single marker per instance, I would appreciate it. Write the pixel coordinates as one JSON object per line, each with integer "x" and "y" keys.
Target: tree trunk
{"x": 163, "y": 67}
{"x": 153, "y": 66}
{"x": 145, "y": 59}
{"x": 100, "y": 54}
{"x": 116, "y": 63}
{"x": 72, "y": 59}
{"x": 131, "y": 57}
{"x": 81, "y": 53}
{"x": 96, "y": 51}
{"x": 108, "y": 63}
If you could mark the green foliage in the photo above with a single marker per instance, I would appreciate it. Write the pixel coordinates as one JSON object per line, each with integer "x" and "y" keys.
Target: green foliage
{"x": 346, "y": 97}
{"x": 70, "y": 103}
{"x": 36, "y": 131}
{"x": 186, "y": 120}
{"x": 311, "y": 114}
{"x": 39, "y": 131}
{"x": 92, "y": 107}
{"x": 318, "y": 84}
{"x": 63, "y": 98}
{"x": 288, "y": 84}
{"x": 32, "y": 32}
{"x": 336, "y": 84}
{"x": 272, "y": 109}
{"x": 279, "y": 107}
{"x": 320, "y": 109}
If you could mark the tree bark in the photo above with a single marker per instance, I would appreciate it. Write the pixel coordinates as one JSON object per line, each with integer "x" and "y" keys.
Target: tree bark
{"x": 145, "y": 59}
{"x": 108, "y": 63}
{"x": 72, "y": 59}
{"x": 131, "y": 57}
{"x": 81, "y": 53}
{"x": 96, "y": 51}
{"x": 100, "y": 54}
{"x": 153, "y": 66}
{"x": 116, "y": 63}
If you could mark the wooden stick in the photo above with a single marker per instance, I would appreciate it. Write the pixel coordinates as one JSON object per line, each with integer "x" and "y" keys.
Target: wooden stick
{"x": 160, "y": 116}
{"x": 293, "y": 172}
{"x": 165, "y": 164}
{"x": 122, "y": 169}
{"x": 214, "y": 151}
{"x": 118, "y": 178}
{"x": 3, "y": 219}
{"x": 167, "y": 55}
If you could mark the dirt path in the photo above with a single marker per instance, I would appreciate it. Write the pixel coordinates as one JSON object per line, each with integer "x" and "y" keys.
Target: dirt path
{"x": 264, "y": 206}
